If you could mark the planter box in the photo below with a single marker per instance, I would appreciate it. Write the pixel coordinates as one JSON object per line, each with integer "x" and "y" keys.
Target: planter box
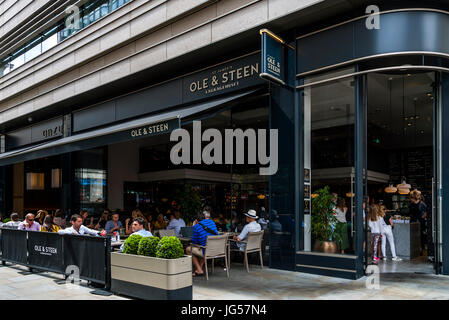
{"x": 151, "y": 278}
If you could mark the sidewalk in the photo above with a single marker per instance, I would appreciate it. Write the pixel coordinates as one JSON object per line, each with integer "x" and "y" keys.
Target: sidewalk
{"x": 274, "y": 284}
{"x": 17, "y": 283}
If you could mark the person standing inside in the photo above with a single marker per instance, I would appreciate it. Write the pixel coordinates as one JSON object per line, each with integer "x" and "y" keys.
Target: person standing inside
{"x": 341, "y": 227}
{"x": 387, "y": 234}
{"x": 29, "y": 224}
{"x": 375, "y": 225}
{"x": 418, "y": 213}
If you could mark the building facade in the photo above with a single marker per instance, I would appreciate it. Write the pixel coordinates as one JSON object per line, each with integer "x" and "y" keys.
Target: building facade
{"x": 89, "y": 94}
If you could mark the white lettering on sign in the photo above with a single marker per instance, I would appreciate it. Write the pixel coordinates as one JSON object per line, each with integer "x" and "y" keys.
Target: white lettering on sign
{"x": 273, "y": 65}
{"x": 157, "y": 128}
{"x": 224, "y": 78}
{"x": 48, "y": 251}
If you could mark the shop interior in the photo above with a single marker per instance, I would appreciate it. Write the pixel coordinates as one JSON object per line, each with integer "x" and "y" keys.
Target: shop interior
{"x": 399, "y": 153}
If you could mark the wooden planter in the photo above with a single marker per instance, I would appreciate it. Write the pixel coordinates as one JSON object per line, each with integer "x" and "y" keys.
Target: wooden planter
{"x": 151, "y": 278}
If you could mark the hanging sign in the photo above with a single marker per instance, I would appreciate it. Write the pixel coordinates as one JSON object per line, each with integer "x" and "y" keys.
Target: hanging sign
{"x": 273, "y": 57}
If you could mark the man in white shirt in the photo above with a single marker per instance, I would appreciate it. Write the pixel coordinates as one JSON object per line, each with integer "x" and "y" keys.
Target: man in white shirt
{"x": 252, "y": 226}
{"x": 78, "y": 228}
{"x": 176, "y": 223}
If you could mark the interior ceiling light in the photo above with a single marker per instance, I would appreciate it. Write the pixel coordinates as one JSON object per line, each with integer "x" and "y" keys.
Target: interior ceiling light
{"x": 391, "y": 189}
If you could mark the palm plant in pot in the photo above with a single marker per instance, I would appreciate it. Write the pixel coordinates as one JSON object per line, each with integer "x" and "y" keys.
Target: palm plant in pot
{"x": 324, "y": 221}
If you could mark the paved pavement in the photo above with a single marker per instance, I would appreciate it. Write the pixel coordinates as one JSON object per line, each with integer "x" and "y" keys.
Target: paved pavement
{"x": 17, "y": 283}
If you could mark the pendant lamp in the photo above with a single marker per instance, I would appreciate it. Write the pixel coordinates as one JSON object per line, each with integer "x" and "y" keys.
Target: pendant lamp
{"x": 391, "y": 189}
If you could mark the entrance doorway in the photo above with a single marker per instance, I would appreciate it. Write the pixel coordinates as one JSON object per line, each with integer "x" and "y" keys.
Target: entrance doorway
{"x": 401, "y": 154}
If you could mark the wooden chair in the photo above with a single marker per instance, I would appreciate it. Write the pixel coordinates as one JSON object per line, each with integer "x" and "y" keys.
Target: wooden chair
{"x": 253, "y": 244}
{"x": 167, "y": 233}
{"x": 215, "y": 248}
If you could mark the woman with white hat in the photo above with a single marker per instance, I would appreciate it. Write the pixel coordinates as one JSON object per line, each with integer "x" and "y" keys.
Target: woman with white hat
{"x": 252, "y": 226}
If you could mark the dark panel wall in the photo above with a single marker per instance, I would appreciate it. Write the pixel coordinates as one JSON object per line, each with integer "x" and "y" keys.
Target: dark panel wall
{"x": 399, "y": 32}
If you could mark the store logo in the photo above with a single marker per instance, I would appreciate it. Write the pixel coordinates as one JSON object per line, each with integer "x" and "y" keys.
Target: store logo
{"x": 223, "y": 78}
{"x": 212, "y": 153}
{"x": 373, "y": 21}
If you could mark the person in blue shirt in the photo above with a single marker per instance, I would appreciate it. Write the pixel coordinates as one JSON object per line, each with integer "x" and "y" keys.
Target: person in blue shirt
{"x": 203, "y": 227}
{"x": 113, "y": 225}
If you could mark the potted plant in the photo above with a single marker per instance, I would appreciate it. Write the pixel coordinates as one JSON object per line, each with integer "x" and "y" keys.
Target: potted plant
{"x": 152, "y": 269}
{"x": 324, "y": 221}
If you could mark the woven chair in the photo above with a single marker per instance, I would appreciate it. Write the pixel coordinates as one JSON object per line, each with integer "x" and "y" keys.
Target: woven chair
{"x": 253, "y": 244}
{"x": 167, "y": 233}
{"x": 215, "y": 248}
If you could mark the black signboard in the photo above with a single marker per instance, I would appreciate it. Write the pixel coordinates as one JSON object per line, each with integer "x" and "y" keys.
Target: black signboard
{"x": 226, "y": 77}
{"x": 41, "y": 131}
{"x": 273, "y": 52}
{"x": 45, "y": 250}
{"x": 14, "y": 245}
{"x": 87, "y": 254}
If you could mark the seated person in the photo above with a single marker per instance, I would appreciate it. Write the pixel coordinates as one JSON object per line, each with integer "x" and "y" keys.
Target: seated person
{"x": 203, "y": 226}
{"x": 78, "y": 228}
{"x": 101, "y": 224}
{"x": 113, "y": 225}
{"x": 160, "y": 222}
{"x": 14, "y": 222}
{"x": 176, "y": 222}
{"x": 29, "y": 224}
{"x": 252, "y": 226}
{"x": 138, "y": 228}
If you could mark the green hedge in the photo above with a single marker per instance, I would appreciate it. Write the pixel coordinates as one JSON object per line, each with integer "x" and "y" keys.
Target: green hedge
{"x": 131, "y": 244}
{"x": 147, "y": 246}
{"x": 169, "y": 248}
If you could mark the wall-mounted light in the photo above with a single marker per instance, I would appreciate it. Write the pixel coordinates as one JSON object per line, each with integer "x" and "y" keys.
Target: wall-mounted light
{"x": 56, "y": 178}
{"x": 35, "y": 181}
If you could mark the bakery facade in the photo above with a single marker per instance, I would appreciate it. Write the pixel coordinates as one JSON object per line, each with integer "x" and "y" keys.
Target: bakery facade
{"x": 360, "y": 115}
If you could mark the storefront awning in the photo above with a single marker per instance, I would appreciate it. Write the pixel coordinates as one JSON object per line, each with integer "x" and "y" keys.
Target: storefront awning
{"x": 112, "y": 134}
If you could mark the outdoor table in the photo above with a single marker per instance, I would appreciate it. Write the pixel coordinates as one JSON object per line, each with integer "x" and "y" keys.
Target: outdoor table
{"x": 116, "y": 245}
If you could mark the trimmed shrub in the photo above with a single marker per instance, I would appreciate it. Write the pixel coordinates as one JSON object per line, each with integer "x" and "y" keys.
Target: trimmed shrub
{"x": 131, "y": 245}
{"x": 147, "y": 246}
{"x": 169, "y": 248}
{"x": 6, "y": 220}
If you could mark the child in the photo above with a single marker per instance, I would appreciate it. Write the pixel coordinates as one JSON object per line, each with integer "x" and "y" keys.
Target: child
{"x": 374, "y": 222}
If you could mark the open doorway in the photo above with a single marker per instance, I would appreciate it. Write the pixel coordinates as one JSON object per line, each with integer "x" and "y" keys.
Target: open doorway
{"x": 400, "y": 155}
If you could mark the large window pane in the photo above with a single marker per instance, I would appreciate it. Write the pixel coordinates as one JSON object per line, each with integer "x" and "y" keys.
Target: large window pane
{"x": 329, "y": 165}
{"x": 33, "y": 51}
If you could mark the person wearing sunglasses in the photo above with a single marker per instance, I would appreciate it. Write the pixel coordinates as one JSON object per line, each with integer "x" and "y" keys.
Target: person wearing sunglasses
{"x": 29, "y": 224}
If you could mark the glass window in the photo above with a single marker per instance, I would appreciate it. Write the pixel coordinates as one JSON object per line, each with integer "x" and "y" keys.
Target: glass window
{"x": 50, "y": 42}
{"x": 33, "y": 50}
{"x": 329, "y": 164}
{"x": 17, "y": 61}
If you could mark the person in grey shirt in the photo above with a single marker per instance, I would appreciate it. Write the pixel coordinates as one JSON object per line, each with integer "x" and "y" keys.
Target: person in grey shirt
{"x": 14, "y": 223}
{"x": 252, "y": 226}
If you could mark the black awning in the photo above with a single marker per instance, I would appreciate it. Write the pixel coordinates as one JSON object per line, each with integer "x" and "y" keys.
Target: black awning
{"x": 161, "y": 123}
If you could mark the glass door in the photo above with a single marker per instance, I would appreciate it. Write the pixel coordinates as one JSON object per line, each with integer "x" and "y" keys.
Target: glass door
{"x": 401, "y": 172}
